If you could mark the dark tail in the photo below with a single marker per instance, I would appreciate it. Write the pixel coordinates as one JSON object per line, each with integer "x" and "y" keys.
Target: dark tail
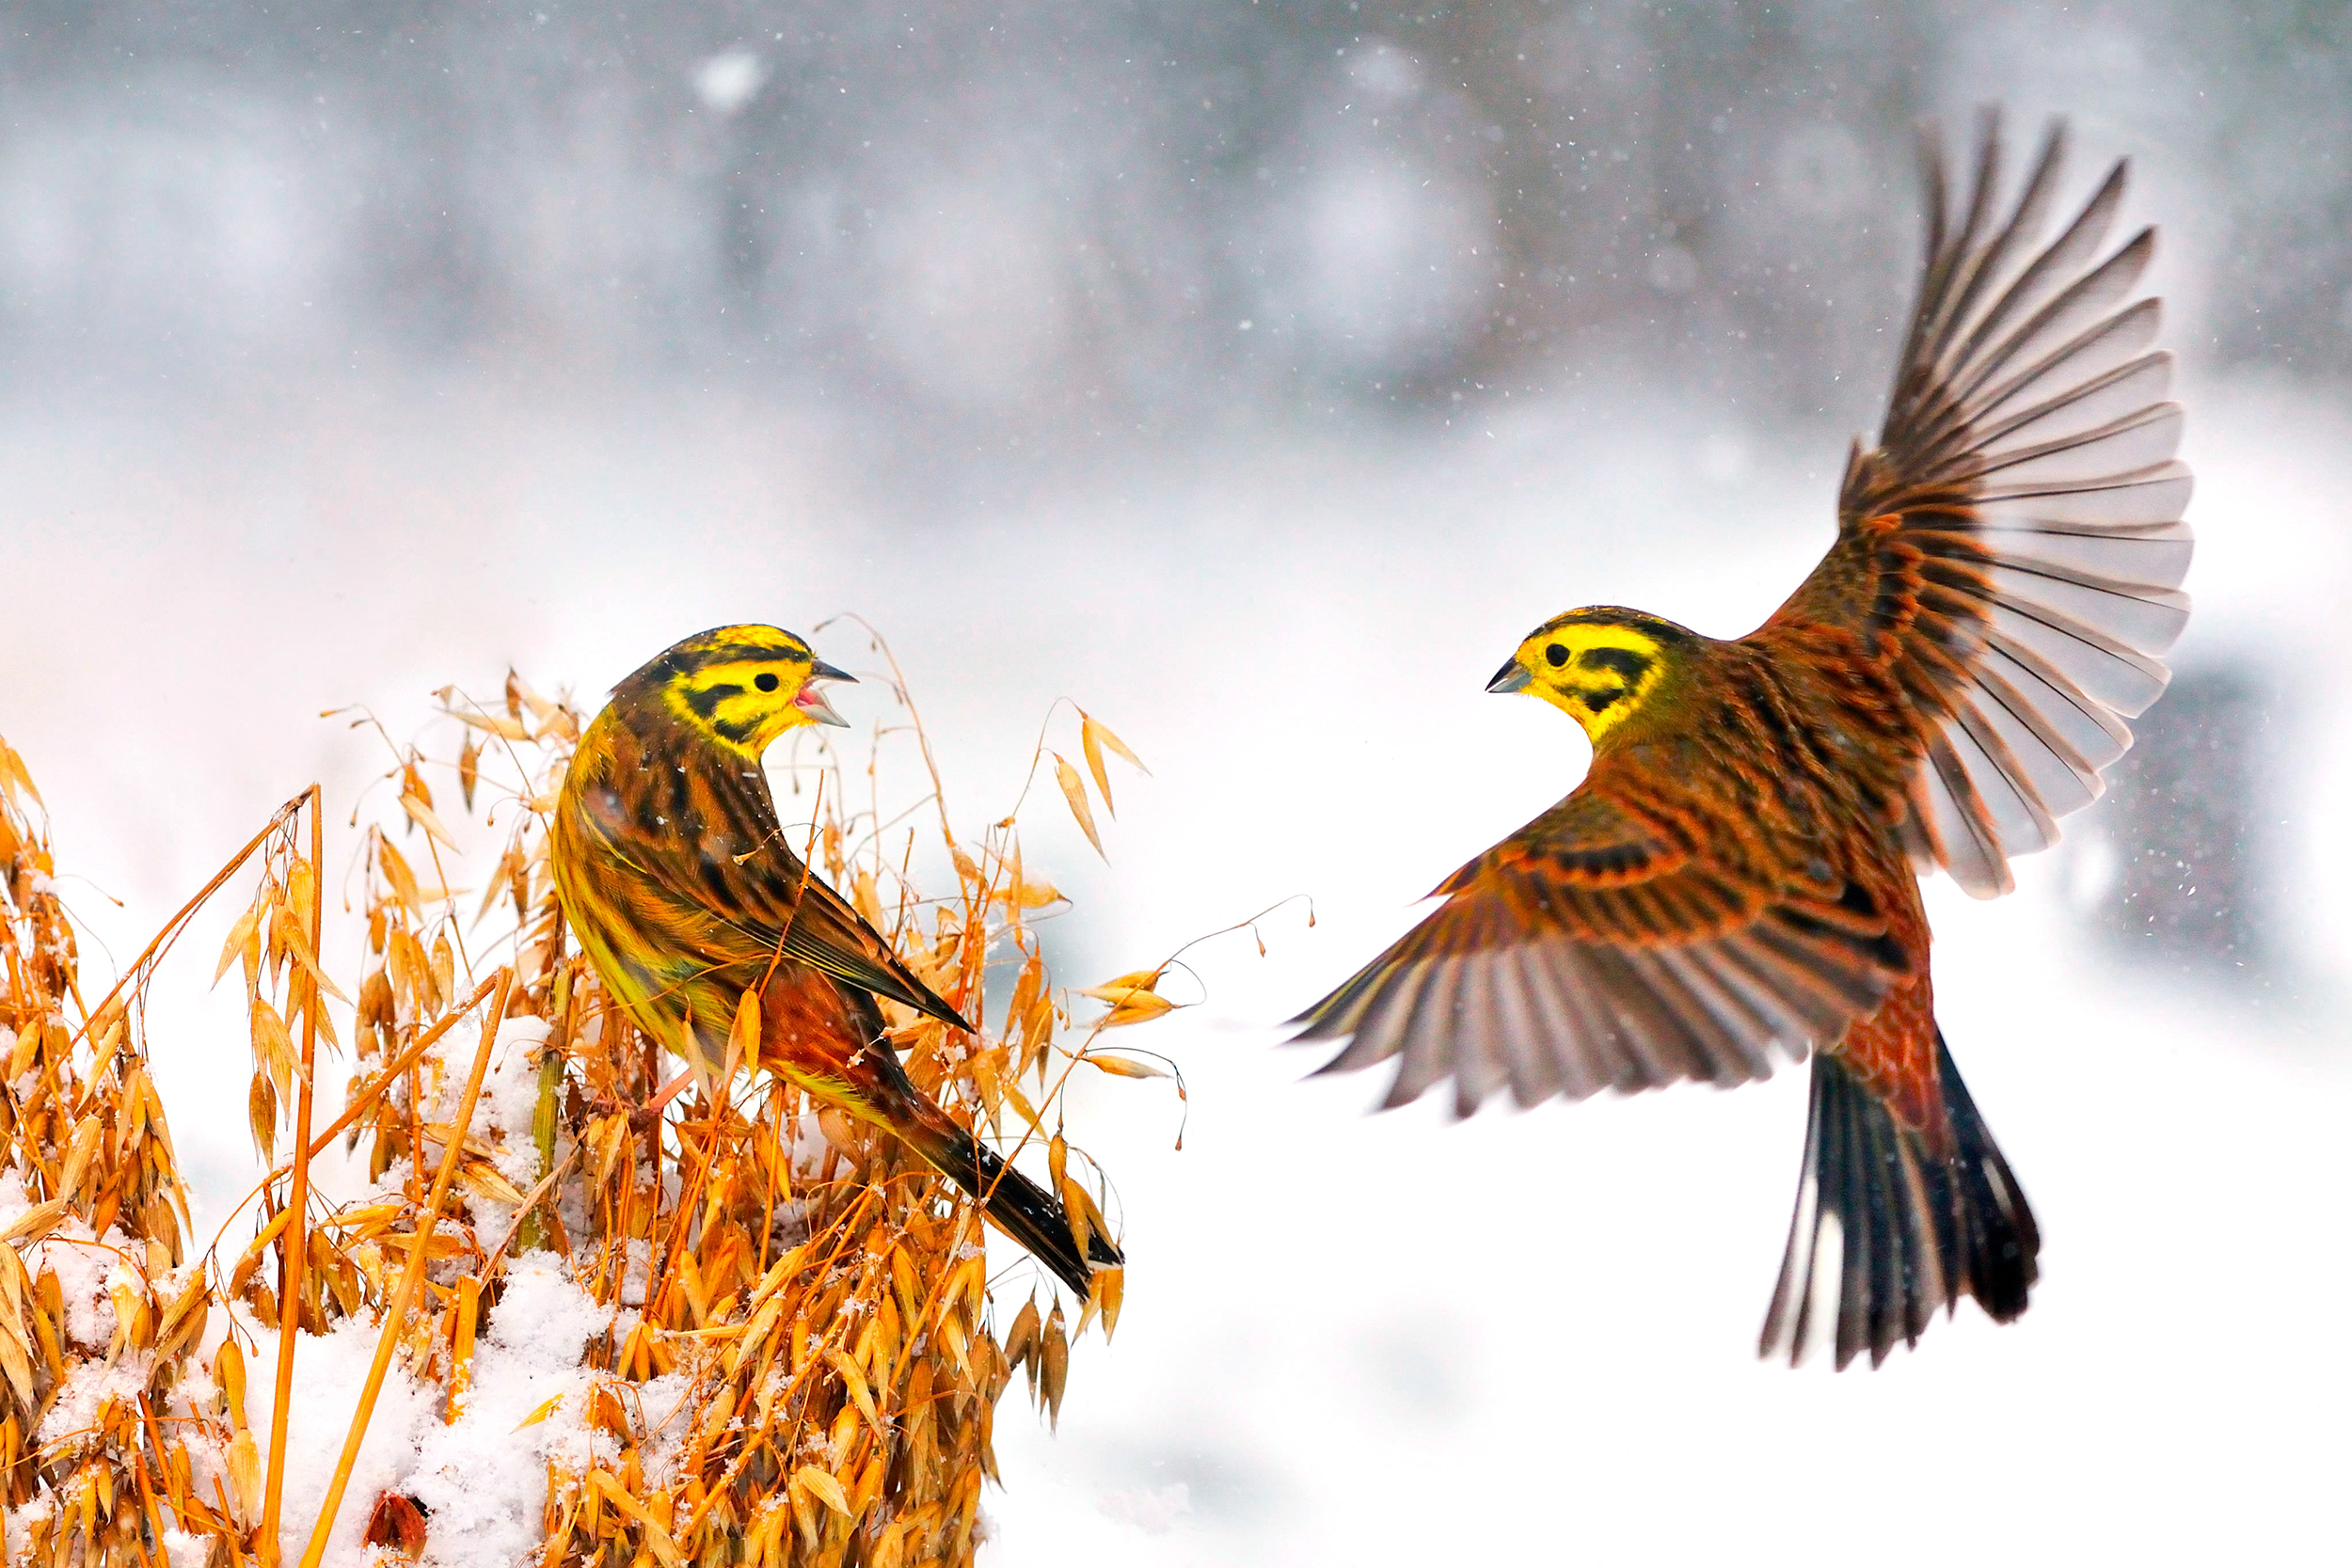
{"x": 1018, "y": 1206}
{"x": 1887, "y": 1231}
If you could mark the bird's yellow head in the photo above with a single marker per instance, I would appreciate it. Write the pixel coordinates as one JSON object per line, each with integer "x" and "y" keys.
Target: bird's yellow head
{"x": 740, "y": 685}
{"x": 1598, "y": 665}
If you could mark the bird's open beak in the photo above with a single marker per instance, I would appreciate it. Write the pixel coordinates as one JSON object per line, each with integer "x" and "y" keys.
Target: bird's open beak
{"x": 1511, "y": 677}
{"x": 812, "y": 698}
{"x": 812, "y": 702}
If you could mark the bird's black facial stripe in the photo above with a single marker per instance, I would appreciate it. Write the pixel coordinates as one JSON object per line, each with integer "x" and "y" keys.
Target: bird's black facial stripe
{"x": 1624, "y": 661}
{"x": 704, "y": 700}
{"x": 766, "y": 680}
{"x": 1600, "y": 701}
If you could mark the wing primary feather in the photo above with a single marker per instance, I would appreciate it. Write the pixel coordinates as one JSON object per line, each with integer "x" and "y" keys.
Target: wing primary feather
{"x": 2011, "y": 554}
{"x": 1935, "y": 257}
{"x": 2087, "y": 296}
{"x": 1425, "y": 1053}
{"x": 2147, "y": 620}
{"x": 2129, "y": 444}
{"x": 2122, "y": 676}
{"x": 1580, "y": 1040}
{"x": 1618, "y": 1042}
{"x": 1744, "y": 1032}
{"x": 1700, "y": 1034}
{"x": 2091, "y": 353}
{"x": 1658, "y": 1044}
{"x": 1480, "y": 1067}
{"x": 2021, "y": 821}
{"x": 1977, "y": 441}
{"x": 1736, "y": 968}
{"x": 1372, "y": 1037}
{"x": 1942, "y": 792}
{"x": 1534, "y": 1073}
{"x": 2090, "y": 404}
{"x": 2023, "y": 223}
{"x": 2133, "y": 559}
{"x": 1477, "y": 1063}
{"x": 2069, "y": 780}
{"x": 2096, "y": 735}
{"x": 2080, "y": 238}
{"x": 2155, "y": 494}
{"x": 1980, "y": 189}
{"x": 1336, "y": 1015}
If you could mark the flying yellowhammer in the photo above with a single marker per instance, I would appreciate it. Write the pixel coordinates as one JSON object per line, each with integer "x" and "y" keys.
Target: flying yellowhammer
{"x": 1737, "y": 875}
{"x": 673, "y": 871}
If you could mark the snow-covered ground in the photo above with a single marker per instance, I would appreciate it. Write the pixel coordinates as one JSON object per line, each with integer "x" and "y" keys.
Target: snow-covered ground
{"x": 1348, "y": 1337}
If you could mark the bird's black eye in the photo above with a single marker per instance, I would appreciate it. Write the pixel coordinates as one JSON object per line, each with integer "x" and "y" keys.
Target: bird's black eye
{"x": 765, "y": 680}
{"x": 1556, "y": 655}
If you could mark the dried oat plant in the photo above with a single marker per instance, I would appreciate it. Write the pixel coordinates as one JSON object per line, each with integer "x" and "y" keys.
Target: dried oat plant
{"x": 771, "y": 1339}
{"x": 111, "y": 1444}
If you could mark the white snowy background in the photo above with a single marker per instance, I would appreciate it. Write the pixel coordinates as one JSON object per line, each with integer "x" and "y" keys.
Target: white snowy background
{"x": 1219, "y": 369}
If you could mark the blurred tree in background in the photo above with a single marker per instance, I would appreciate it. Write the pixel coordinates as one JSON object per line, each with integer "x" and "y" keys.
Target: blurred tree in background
{"x": 1128, "y": 213}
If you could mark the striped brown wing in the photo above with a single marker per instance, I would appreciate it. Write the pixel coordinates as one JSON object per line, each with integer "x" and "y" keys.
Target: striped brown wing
{"x": 2014, "y": 546}
{"x": 1590, "y": 950}
{"x": 708, "y": 839}
{"x": 828, "y": 933}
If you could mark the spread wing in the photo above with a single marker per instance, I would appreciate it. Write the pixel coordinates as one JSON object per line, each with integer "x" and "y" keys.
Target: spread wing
{"x": 2013, "y": 548}
{"x": 1594, "y": 949}
{"x": 759, "y": 901}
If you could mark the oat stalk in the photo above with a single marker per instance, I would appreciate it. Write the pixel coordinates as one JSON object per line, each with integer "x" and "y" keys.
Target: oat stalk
{"x": 396, "y": 1313}
{"x": 296, "y": 1248}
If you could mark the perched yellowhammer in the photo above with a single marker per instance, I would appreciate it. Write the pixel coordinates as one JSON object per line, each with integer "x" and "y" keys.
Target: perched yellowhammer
{"x": 1737, "y": 873}
{"x": 676, "y": 875}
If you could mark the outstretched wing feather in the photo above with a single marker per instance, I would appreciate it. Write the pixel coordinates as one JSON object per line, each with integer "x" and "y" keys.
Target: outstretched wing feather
{"x": 1585, "y": 953}
{"x": 2014, "y": 546}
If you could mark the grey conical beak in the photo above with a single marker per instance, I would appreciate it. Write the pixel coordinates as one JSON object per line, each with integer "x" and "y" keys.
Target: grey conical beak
{"x": 812, "y": 698}
{"x": 812, "y": 702}
{"x": 1511, "y": 677}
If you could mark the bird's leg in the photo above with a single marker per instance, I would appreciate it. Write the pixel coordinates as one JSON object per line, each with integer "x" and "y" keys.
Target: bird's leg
{"x": 647, "y": 1116}
{"x": 644, "y": 1118}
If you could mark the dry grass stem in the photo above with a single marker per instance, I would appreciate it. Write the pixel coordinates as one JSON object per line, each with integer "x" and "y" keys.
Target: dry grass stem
{"x": 396, "y": 1313}
{"x": 298, "y": 1210}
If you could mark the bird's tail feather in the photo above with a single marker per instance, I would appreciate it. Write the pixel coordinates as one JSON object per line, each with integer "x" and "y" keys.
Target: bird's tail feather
{"x": 1016, "y": 1205}
{"x": 1886, "y": 1230}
